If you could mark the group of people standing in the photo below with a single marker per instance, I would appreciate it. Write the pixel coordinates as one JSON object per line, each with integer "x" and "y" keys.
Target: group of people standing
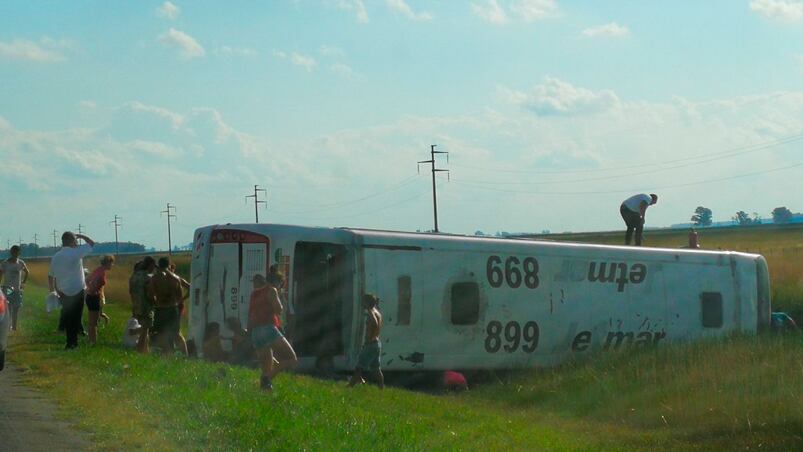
{"x": 157, "y": 302}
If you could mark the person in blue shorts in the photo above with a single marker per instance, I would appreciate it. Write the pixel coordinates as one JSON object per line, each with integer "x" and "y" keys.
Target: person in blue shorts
{"x": 369, "y": 357}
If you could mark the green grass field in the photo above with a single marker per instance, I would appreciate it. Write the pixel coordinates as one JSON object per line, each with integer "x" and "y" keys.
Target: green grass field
{"x": 735, "y": 393}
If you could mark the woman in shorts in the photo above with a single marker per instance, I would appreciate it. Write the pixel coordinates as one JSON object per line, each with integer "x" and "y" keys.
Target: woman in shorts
{"x": 95, "y": 299}
{"x": 263, "y": 325}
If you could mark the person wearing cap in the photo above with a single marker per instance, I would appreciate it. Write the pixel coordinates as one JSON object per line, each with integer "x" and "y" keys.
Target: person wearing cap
{"x": 263, "y": 324}
{"x": 633, "y": 210}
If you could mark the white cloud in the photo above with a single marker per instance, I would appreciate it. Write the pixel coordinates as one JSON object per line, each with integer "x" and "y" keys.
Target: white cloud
{"x": 168, "y": 10}
{"x": 332, "y": 51}
{"x": 304, "y": 61}
{"x": 557, "y": 97}
{"x": 46, "y": 51}
{"x": 279, "y": 54}
{"x": 783, "y": 10}
{"x": 401, "y": 7}
{"x": 611, "y": 30}
{"x": 355, "y": 6}
{"x": 187, "y": 46}
{"x": 344, "y": 70}
{"x": 800, "y": 60}
{"x": 235, "y": 51}
{"x": 87, "y": 105}
{"x": 533, "y": 10}
{"x": 491, "y": 12}
{"x": 154, "y": 148}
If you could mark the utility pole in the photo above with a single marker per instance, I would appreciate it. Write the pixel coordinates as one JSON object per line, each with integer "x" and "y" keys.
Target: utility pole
{"x": 257, "y": 202}
{"x": 169, "y": 216}
{"x": 116, "y": 224}
{"x": 36, "y": 244}
{"x": 54, "y": 238}
{"x": 80, "y": 231}
{"x": 431, "y": 161}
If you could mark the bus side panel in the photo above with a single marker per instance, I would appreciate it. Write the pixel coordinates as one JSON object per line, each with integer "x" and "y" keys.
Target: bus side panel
{"x": 199, "y": 297}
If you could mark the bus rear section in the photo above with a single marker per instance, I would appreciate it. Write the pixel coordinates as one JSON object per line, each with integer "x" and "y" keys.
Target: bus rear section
{"x": 234, "y": 257}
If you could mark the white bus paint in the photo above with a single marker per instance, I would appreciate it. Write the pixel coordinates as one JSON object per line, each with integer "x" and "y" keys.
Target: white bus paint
{"x": 463, "y": 302}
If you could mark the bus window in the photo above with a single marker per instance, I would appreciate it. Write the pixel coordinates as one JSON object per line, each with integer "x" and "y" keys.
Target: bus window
{"x": 712, "y": 309}
{"x": 405, "y": 300}
{"x": 465, "y": 303}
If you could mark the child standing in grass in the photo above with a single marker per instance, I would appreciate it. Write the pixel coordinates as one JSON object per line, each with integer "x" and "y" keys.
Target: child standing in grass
{"x": 372, "y": 349}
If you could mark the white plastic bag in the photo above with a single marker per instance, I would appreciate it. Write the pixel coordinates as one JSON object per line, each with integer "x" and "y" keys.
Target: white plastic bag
{"x": 52, "y": 302}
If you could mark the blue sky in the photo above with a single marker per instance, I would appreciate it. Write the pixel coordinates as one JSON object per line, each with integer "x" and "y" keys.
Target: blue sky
{"x": 552, "y": 111}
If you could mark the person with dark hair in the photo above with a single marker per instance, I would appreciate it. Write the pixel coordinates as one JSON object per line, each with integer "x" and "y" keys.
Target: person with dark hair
{"x": 368, "y": 359}
{"x": 14, "y": 273}
{"x": 212, "y": 348}
{"x": 633, "y": 210}
{"x": 263, "y": 324}
{"x": 182, "y": 343}
{"x": 95, "y": 296}
{"x": 141, "y": 305}
{"x": 66, "y": 278}
{"x": 164, "y": 290}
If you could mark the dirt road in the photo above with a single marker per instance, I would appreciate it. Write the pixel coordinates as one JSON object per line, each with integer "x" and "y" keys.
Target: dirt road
{"x": 29, "y": 419}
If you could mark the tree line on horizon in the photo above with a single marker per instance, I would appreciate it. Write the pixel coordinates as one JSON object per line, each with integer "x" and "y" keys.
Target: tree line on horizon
{"x": 703, "y": 217}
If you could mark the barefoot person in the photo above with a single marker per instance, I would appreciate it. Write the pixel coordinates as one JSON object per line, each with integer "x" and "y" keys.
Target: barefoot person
{"x": 164, "y": 289}
{"x": 95, "y": 297}
{"x": 66, "y": 277}
{"x": 368, "y": 358}
{"x": 263, "y": 324}
{"x": 633, "y": 210}
{"x": 14, "y": 273}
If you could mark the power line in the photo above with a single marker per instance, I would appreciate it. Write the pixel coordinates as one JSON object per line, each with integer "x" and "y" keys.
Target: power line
{"x": 600, "y": 192}
{"x": 714, "y": 156}
{"x": 257, "y": 202}
{"x": 431, "y": 161}
{"x": 169, "y": 235}
{"x": 640, "y": 173}
{"x": 401, "y": 184}
{"x": 116, "y": 223}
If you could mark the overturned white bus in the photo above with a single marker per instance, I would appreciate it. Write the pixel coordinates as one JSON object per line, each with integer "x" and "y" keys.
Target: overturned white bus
{"x": 464, "y": 302}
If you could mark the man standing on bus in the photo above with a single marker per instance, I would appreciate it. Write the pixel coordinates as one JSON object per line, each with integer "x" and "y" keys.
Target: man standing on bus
{"x": 633, "y": 210}
{"x": 372, "y": 349}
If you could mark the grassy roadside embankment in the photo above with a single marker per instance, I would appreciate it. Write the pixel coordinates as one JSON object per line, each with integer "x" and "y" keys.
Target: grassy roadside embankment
{"x": 741, "y": 392}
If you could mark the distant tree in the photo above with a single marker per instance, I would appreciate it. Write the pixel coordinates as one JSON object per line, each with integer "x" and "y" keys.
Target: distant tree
{"x": 479, "y": 233}
{"x": 781, "y": 215}
{"x": 702, "y": 216}
{"x": 756, "y": 218}
{"x": 742, "y": 218}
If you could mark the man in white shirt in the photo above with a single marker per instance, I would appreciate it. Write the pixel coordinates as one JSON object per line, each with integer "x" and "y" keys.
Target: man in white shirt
{"x": 66, "y": 277}
{"x": 633, "y": 210}
{"x": 14, "y": 273}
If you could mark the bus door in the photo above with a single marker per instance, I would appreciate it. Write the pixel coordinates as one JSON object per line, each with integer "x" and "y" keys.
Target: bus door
{"x": 323, "y": 293}
{"x": 394, "y": 274}
{"x": 235, "y": 257}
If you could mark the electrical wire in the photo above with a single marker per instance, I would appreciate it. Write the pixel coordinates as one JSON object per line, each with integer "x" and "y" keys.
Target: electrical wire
{"x": 599, "y": 192}
{"x": 714, "y": 156}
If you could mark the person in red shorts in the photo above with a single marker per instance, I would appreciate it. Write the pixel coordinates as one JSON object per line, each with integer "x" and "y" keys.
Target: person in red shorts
{"x": 95, "y": 297}
{"x": 263, "y": 325}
